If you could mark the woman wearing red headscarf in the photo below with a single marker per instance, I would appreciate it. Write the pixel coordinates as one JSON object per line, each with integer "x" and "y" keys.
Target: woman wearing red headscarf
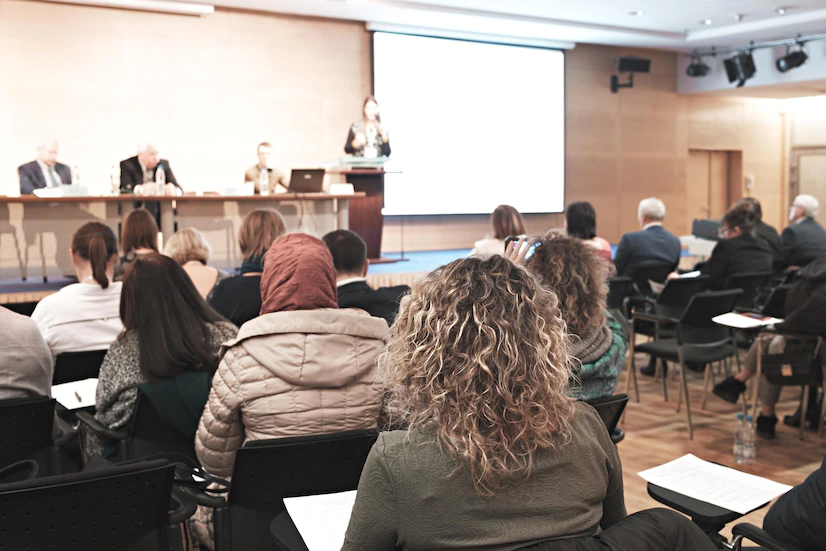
{"x": 303, "y": 367}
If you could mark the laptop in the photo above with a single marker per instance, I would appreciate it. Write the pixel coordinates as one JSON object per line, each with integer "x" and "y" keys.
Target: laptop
{"x": 307, "y": 180}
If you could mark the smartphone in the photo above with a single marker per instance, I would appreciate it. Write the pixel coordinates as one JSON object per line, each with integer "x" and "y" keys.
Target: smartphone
{"x": 510, "y": 239}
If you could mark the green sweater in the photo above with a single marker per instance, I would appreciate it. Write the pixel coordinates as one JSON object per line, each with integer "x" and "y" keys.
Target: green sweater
{"x": 408, "y": 497}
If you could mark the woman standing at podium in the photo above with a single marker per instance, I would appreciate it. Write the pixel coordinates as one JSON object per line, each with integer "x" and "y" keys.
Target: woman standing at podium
{"x": 368, "y": 138}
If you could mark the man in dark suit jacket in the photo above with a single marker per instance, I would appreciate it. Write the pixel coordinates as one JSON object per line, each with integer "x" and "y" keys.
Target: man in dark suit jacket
{"x": 350, "y": 260}
{"x": 799, "y": 516}
{"x": 651, "y": 245}
{"x": 804, "y": 239}
{"x": 44, "y": 171}
{"x": 143, "y": 167}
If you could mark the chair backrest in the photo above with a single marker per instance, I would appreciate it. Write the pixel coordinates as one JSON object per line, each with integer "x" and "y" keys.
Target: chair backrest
{"x": 123, "y": 507}
{"x": 656, "y": 272}
{"x": 776, "y": 303}
{"x": 150, "y": 434}
{"x": 76, "y": 366}
{"x": 610, "y": 409}
{"x": 267, "y": 471}
{"x": 26, "y": 430}
{"x": 618, "y": 289}
{"x": 748, "y": 282}
{"x": 696, "y": 325}
{"x": 677, "y": 293}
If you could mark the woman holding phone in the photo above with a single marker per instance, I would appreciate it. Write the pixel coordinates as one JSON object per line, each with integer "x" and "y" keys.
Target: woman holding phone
{"x": 368, "y": 138}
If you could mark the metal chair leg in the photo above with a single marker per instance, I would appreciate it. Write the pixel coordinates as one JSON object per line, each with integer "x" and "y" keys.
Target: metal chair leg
{"x": 708, "y": 376}
{"x": 685, "y": 391}
{"x": 665, "y": 380}
{"x": 804, "y": 408}
{"x": 632, "y": 371}
{"x": 680, "y": 393}
{"x": 758, "y": 379}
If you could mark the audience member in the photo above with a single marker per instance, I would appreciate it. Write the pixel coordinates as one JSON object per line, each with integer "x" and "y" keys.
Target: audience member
{"x": 739, "y": 251}
{"x": 84, "y": 316}
{"x": 581, "y": 222}
{"x": 798, "y": 517}
{"x": 578, "y": 276}
{"x": 504, "y": 222}
{"x": 189, "y": 248}
{"x": 805, "y": 305}
{"x": 804, "y": 239}
{"x": 238, "y": 298}
{"x": 350, "y": 261}
{"x": 303, "y": 367}
{"x": 477, "y": 366}
{"x": 139, "y": 236}
{"x": 276, "y": 181}
{"x": 143, "y": 169}
{"x": 765, "y": 233}
{"x": 168, "y": 331}
{"x": 44, "y": 171}
{"x": 25, "y": 360}
{"x": 653, "y": 244}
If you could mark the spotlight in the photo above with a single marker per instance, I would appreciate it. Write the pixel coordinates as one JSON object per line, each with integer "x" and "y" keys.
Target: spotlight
{"x": 697, "y": 68}
{"x": 791, "y": 60}
{"x": 740, "y": 68}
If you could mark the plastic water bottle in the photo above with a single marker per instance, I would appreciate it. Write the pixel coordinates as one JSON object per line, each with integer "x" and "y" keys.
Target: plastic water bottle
{"x": 739, "y": 428}
{"x": 160, "y": 181}
{"x": 75, "y": 175}
{"x": 264, "y": 182}
{"x": 114, "y": 177}
{"x": 749, "y": 442}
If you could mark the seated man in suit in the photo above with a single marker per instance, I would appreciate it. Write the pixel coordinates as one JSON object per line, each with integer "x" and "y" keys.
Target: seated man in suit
{"x": 142, "y": 168}
{"x": 275, "y": 178}
{"x": 44, "y": 171}
{"x": 765, "y": 233}
{"x": 804, "y": 239}
{"x": 653, "y": 244}
{"x": 350, "y": 260}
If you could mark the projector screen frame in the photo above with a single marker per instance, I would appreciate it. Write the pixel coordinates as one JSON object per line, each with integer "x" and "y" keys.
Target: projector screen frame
{"x": 563, "y": 51}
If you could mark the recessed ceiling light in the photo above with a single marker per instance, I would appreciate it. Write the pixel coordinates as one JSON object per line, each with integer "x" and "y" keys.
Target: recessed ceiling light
{"x": 738, "y": 16}
{"x": 636, "y": 13}
{"x": 780, "y": 11}
{"x": 705, "y": 22}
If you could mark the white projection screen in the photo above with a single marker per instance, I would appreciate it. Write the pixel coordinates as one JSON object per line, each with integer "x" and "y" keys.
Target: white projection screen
{"x": 472, "y": 125}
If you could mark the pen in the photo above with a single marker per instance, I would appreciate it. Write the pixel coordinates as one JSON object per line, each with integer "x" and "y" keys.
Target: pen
{"x": 78, "y": 397}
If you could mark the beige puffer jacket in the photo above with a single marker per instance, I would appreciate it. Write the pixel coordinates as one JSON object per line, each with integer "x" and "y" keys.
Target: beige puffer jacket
{"x": 292, "y": 373}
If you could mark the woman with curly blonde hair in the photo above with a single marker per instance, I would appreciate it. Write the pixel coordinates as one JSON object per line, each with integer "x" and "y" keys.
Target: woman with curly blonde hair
{"x": 496, "y": 454}
{"x": 578, "y": 276}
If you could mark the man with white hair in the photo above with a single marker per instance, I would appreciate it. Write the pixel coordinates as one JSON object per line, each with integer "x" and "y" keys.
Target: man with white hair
{"x": 44, "y": 171}
{"x": 143, "y": 167}
{"x": 653, "y": 244}
{"x": 804, "y": 239}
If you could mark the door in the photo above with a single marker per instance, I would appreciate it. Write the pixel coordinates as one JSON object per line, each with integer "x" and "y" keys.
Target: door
{"x": 710, "y": 183}
{"x": 809, "y": 176}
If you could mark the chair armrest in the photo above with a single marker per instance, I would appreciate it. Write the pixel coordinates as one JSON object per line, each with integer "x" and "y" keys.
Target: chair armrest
{"x": 27, "y": 469}
{"x": 87, "y": 419}
{"x": 186, "y": 506}
{"x": 761, "y": 537}
{"x": 285, "y": 535}
{"x": 794, "y": 336}
{"x": 66, "y": 433}
{"x": 639, "y": 301}
{"x": 657, "y": 318}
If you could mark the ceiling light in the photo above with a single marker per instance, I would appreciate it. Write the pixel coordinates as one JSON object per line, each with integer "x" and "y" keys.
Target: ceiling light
{"x": 705, "y": 22}
{"x": 780, "y": 11}
{"x": 738, "y": 17}
{"x": 697, "y": 68}
{"x": 791, "y": 60}
{"x": 636, "y": 13}
{"x": 740, "y": 68}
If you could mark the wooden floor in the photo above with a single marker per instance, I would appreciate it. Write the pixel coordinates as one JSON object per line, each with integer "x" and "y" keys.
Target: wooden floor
{"x": 656, "y": 434}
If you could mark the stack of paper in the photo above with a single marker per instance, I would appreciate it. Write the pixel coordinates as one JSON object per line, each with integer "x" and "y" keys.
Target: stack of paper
{"x": 77, "y": 394}
{"x": 715, "y": 484}
{"x": 322, "y": 519}
{"x": 744, "y": 321}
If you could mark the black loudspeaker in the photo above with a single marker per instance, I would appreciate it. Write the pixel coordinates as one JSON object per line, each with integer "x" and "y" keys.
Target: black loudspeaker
{"x": 634, "y": 65}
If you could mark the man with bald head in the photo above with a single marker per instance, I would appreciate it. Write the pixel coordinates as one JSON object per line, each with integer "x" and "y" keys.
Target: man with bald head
{"x": 141, "y": 168}
{"x": 45, "y": 171}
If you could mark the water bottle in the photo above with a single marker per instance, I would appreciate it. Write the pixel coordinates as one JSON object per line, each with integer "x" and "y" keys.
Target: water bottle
{"x": 160, "y": 181}
{"x": 749, "y": 442}
{"x": 739, "y": 428}
{"x": 114, "y": 177}
{"x": 75, "y": 175}
{"x": 264, "y": 182}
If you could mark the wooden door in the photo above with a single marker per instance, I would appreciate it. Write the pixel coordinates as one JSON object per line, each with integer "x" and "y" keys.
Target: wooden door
{"x": 708, "y": 184}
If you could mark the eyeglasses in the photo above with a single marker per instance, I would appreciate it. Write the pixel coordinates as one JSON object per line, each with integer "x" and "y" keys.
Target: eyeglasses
{"x": 723, "y": 232}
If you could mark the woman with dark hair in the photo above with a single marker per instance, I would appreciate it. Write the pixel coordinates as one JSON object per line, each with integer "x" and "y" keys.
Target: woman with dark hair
{"x": 579, "y": 277}
{"x": 238, "y": 298}
{"x": 581, "y": 222}
{"x": 504, "y": 222}
{"x": 84, "y": 316}
{"x": 738, "y": 251}
{"x": 138, "y": 237}
{"x": 168, "y": 331}
{"x": 368, "y": 138}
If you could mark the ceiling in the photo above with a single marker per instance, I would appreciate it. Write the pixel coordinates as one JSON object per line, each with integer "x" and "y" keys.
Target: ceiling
{"x": 663, "y": 24}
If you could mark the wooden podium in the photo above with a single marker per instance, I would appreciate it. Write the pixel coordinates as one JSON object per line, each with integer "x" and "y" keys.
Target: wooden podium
{"x": 366, "y": 218}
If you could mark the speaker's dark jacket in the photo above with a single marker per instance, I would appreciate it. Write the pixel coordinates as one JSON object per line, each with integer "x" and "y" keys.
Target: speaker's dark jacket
{"x": 802, "y": 242}
{"x": 381, "y": 303}
{"x": 131, "y": 174}
{"x": 654, "y": 245}
{"x": 31, "y": 177}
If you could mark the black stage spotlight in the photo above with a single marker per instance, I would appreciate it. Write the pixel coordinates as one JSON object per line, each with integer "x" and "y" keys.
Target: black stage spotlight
{"x": 697, "y": 68}
{"x": 791, "y": 60}
{"x": 740, "y": 68}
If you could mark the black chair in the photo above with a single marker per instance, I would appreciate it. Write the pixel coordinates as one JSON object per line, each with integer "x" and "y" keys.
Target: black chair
{"x": 610, "y": 410}
{"x": 698, "y": 340}
{"x": 750, "y": 283}
{"x": 76, "y": 366}
{"x": 122, "y": 507}
{"x": 267, "y": 471}
{"x": 745, "y": 531}
{"x": 618, "y": 289}
{"x": 801, "y": 364}
{"x": 146, "y": 435}
{"x": 26, "y": 431}
{"x": 656, "y": 272}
